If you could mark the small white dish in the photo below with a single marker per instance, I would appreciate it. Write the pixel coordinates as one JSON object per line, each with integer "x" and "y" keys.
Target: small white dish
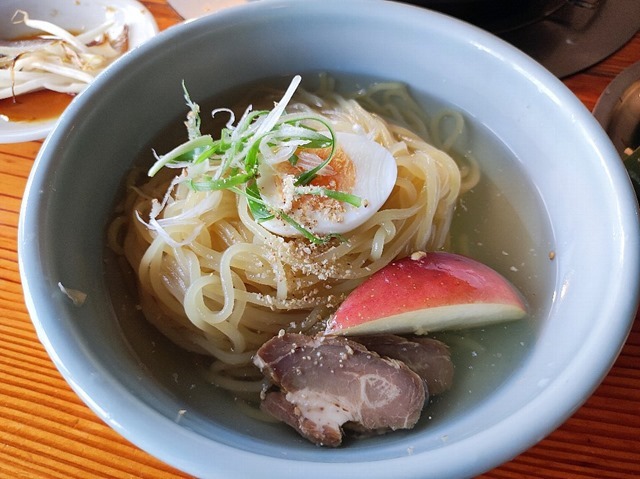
{"x": 190, "y": 9}
{"x": 72, "y": 15}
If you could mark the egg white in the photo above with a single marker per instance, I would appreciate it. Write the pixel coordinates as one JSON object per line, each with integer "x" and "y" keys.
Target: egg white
{"x": 375, "y": 176}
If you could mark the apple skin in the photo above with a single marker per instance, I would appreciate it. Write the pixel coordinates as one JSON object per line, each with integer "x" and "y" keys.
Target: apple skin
{"x": 428, "y": 292}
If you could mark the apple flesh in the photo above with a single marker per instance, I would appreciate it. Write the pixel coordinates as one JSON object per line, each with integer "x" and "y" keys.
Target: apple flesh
{"x": 428, "y": 292}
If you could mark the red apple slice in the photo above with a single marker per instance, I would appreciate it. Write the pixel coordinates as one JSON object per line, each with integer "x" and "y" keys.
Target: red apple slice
{"x": 428, "y": 292}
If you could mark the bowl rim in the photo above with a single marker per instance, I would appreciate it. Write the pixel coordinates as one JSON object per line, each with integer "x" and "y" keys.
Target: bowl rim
{"x": 184, "y": 449}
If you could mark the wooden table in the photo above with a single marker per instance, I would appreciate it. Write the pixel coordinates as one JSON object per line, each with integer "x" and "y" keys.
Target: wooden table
{"x": 47, "y": 432}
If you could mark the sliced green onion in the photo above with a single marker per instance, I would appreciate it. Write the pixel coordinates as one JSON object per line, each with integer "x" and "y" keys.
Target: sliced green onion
{"x": 308, "y": 176}
{"x": 314, "y": 138}
{"x": 193, "y": 117}
{"x": 251, "y": 159}
{"x": 262, "y": 212}
{"x": 303, "y": 231}
{"x": 238, "y": 153}
{"x": 201, "y": 154}
{"x": 258, "y": 207}
{"x": 275, "y": 114}
{"x": 186, "y": 148}
{"x": 319, "y": 143}
{"x": 336, "y": 195}
{"x": 206, "y": 183}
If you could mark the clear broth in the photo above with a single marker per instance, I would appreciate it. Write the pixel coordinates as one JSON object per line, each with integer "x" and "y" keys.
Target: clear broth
{"x": 500, "y": 222}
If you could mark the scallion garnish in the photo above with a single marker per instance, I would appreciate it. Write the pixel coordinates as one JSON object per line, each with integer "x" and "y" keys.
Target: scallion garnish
{"x": 193, "y": 117}
{"x": 336, "y": 195}
{"x": 232, "y": 162}
{"x": 305, "y": 232}
{"x": 183, "y": 153}
{"x": 258, "y": 207}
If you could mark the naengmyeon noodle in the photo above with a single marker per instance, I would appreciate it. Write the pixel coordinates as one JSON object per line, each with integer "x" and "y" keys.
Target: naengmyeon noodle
{"x": 219, "y": 283}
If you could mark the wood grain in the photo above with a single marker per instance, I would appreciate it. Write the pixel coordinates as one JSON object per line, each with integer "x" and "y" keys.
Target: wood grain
{"x": 46, "y": 432}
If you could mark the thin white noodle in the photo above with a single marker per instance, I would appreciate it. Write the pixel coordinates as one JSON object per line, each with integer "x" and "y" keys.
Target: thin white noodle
{"x": 234, "y": 284}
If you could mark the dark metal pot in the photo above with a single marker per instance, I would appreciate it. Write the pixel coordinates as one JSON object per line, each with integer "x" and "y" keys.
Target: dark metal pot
{"x": 497, "y": 16}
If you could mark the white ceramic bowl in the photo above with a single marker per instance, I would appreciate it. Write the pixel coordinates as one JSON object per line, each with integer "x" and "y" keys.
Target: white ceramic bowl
{"x": 75, "y": 16}
{"x": 567, "y": 194}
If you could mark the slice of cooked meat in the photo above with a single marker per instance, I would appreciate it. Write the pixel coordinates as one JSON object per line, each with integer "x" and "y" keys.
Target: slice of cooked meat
{"x": 326, "y": 382}
{"x": 276, "y": 404}
{"x": 429, "y": 358}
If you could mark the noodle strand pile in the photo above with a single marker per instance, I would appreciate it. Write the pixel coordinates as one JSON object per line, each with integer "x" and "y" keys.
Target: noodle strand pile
{"x": 215, "y": 281}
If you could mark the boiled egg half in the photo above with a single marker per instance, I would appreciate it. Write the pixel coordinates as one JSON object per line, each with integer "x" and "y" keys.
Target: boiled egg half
{"x": 360, "y": 167}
